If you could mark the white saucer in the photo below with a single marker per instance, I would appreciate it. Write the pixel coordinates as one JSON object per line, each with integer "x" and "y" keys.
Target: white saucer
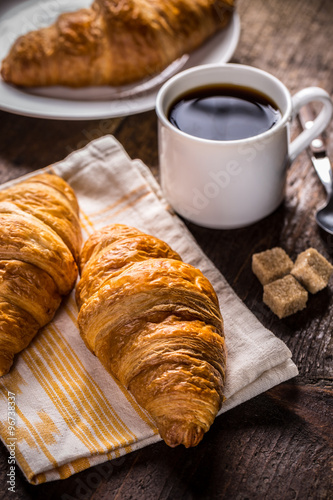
{"x": 61, "y": 103}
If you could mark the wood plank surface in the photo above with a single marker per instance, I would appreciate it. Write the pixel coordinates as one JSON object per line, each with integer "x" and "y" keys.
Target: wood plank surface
{"x": 279, "y": 444}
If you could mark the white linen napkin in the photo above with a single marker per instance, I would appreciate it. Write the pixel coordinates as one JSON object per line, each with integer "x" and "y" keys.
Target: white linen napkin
{"x": 70, "y": 413}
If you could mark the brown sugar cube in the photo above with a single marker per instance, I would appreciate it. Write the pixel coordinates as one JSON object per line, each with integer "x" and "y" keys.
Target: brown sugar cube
{"x": 271, "y": 265}
{"x": 285, "y": 296}
{"x": 312, "y": 270}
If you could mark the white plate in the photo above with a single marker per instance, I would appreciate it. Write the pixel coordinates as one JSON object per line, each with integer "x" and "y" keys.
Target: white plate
{"x": 18, "y": 17}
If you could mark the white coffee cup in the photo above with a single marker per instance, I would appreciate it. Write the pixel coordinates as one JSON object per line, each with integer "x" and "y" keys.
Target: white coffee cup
{"x": 230, "y": 184}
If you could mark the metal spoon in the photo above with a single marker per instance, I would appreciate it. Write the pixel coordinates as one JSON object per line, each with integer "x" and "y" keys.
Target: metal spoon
{"x": 324, "y": 216}
{"x": 322, "y": 165}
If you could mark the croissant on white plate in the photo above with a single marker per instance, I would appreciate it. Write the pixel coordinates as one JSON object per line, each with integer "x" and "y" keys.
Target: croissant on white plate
{"x": 114, "y": 42}
{"x": 40, "y": 241}
{"x": 155, "y": 324}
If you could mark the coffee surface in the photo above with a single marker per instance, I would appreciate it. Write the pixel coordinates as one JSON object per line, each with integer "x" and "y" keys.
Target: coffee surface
{"x": 224, "y": 113}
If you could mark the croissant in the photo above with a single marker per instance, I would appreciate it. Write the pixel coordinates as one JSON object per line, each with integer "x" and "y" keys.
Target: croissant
{"x": 154, "y": 323}
{"x": 115, "y": 42}
{"x": 40, "y": 240}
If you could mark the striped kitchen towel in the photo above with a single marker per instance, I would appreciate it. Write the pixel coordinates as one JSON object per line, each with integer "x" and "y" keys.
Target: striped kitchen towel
{"x": 60, "y": 411}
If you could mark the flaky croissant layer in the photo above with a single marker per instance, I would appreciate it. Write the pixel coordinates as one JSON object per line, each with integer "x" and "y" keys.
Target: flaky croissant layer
{"x": 155, "y": 324}
{"x": 115, "y": 42}
{"x": 40, "y": 240}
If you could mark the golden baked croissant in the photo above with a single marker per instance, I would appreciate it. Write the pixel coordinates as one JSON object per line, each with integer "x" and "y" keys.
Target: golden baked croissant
{"x": 154, "y": 323}
{"x": 40, "y": 240}
{"x": 115, "y": 42}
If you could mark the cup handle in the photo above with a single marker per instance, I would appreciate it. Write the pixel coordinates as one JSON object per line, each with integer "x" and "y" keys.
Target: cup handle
{"x": 304, "y": 139}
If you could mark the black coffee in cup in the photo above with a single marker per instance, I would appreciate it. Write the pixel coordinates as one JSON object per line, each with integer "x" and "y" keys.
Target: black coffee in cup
{"x": 224, "y": 112}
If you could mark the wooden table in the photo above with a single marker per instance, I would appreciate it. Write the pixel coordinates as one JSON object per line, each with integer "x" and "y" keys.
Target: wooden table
{"x": 279, "y": 444}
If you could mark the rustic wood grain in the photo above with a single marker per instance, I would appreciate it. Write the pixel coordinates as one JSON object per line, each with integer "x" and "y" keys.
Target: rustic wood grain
{"x": 279, "y": 444}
